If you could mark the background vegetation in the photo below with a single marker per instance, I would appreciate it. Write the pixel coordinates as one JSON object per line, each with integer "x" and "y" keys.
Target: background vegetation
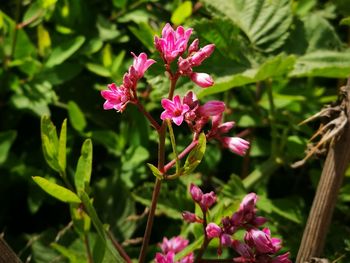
{"x": 276, "y": 63}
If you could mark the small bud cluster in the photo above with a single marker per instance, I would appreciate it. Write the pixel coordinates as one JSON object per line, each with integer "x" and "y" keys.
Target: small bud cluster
{"x": 257, "y": 247}
{"x": 170, "y": 247}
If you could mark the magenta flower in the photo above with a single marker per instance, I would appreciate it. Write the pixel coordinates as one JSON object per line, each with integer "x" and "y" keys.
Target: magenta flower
{"x": 141, "y": 64}
{"x": 213, "y": 230}
{"x": 165, "y": 258}
{"x": 248, "y": 203}
{"x": 116, "y": 97}
{"x": 172, "y": 43}
{"x": 202, "y": 79}
{"x": 226, "y": 240}
{"x": 174, "y": 110}
{"x": 175, "y": 244}
{"x": 198, "y": 57}
{"x": 236, "y": 145}
{"x": 284, "y": 258}
{"x": 189, "y": 217}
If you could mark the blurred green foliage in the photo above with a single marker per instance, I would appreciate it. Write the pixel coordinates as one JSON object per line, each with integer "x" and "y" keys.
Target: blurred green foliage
{"x": 276, "y": 63}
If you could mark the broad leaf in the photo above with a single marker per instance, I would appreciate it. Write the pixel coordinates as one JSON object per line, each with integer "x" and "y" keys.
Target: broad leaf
{"x": 61, "y": 193}
{"x": 49, "y": 142}
{"x": 183, "y": 11}
{"x": 62, "y": 145}
{"x": 64, "y": 51}
{"x": 76, "y": 116}
{"x": 265, "y": 22}
{"x": 196, "y": 155}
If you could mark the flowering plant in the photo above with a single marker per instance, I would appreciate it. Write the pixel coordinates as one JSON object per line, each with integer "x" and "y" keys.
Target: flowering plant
{"x": 205, "y": 122}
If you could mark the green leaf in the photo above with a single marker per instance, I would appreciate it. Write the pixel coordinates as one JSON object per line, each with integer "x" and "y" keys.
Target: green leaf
{"x": 61, "y": 193}
{"x": 345, "y": 21}
{"x": 273, "y": 67}
{"x": 76, "y": 116}
{"x": 190, "y": 248}
{"x": 183, "y": 11}
{"x": 49, "y": 143}
{"x": 6, "y": 140}
{"x": 145, "y": 34}
{"x": 328, "y": 64}
{"x": 98, "y": 69}
{"x": 81, "y": 220}
{"x": 64, "y": 51}
{"x": 98, "y": 225}
{"x": 62, "y": 145}
{"x": 72, "y": 255}
{"x": 265, "y": 22}
{"x": 44, "y": 40}
{"x": 84, "y": 167}
{"x": 195, "y": 156}
{"x": 98, "y": 250}
{"x": 155, "y": 171}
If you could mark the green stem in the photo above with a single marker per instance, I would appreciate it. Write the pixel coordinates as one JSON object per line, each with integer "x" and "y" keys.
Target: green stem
{"x": 88, "y": 250}
{"x": 155, "y": 195}
{"x": 173, "y": 144}
{"x": 205, "y": 241}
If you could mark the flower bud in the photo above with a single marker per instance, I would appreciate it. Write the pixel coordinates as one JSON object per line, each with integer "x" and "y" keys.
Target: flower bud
{"x": 202, "y": 54}
{"x": 226, "y": 127}
{"x": 212, "y": 108}
{"x": 226, "y": 240}
{"x": 184, "y": 65}
{"x": 213, "y": 230}
{"x": 208, "y": 200}
{"x": 194, "y": 46}
{"x": 202, "y": 79}
{"x": 189, "y": 217}
{"x": 282, "y": 258}
{"x": 196, "y": 193}
{"x": 236, "y": 145}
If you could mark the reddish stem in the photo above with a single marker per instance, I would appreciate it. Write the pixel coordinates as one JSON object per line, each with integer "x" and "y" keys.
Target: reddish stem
{"x": 181, "y": 155}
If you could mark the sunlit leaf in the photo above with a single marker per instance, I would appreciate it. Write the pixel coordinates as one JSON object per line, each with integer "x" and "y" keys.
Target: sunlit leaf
{"x": 183, "y": 11}
{"x": 76, "y": 116}
{"x": 83, "y": 172}
{"x": 59, "y": 192}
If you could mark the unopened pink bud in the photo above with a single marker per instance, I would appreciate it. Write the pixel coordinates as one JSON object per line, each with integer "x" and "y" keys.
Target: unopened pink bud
{"x": 190, "y": 99}
{"x": 212, "y": 108}
{"x": 208, "y": 200}
{"x": 243, "y": 249}
{"x": 213, "y": 230}
{"x": 202, "y": 79}
{"x": 189, "y": 217}
{"x": 236, "y": 145}
{"x": 196, "y": 193}
{"x": 184, "y": 65}
{"x": 226, "y": 240}
{"x": 248, "y": 202}
{"x": 284, "y": 258}
{"x": 202, "y": 54}
{"x": 194, "y": 46}
{"x": 226, "y": 127}
{"x": 259, "y": 221}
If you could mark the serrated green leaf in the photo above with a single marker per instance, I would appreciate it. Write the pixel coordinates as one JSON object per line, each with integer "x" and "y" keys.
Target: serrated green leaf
{"x": 265, "y": 22}
{"x": 62, "y": 145}
{"x": 328, "y": 64}
{"x": 6, "y": 140}
{"x": 83, "y": 171}
{"x": 273, "y": 67}
{"x": 76, "y": 116}
{"x": 64, "y": 51}
{"x": 59, "y": 192}
{"x": 155, "y": 171}
{"x": 183, "y": 11}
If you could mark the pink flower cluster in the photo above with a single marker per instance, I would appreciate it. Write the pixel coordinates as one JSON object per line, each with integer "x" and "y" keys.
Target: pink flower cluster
{"x": 258, "y": 245}
{"x": 118, "y": 97}
{"x": 170, "y": 247}
{"x": 173, "y": 44}
{"x": 197, "y": 116}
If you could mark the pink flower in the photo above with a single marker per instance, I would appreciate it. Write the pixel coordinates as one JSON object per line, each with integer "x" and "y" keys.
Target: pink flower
{"x": 226, "y": 240}
{"x": 172, "y": 43}
{"x": 202, "y": 79}
{"x": 212, "y": 108}
{"x": 167, "y": 258}
{"x": 196, "y": 193}
{"x": 208, "y": 200}
{"x": 187, "y": 259}
{"x": 236, "y": 145}
{"x": 116, "y": 97}
{"x": 141, "y": 64}
{"x": 174, "y": 110}
{"x": 262, "y": 241}
{"x": 213, "y": 230}
{"x": 248, "y": 203}
{"x": 175, "y": 244}
{"x": 243, "y": 249}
